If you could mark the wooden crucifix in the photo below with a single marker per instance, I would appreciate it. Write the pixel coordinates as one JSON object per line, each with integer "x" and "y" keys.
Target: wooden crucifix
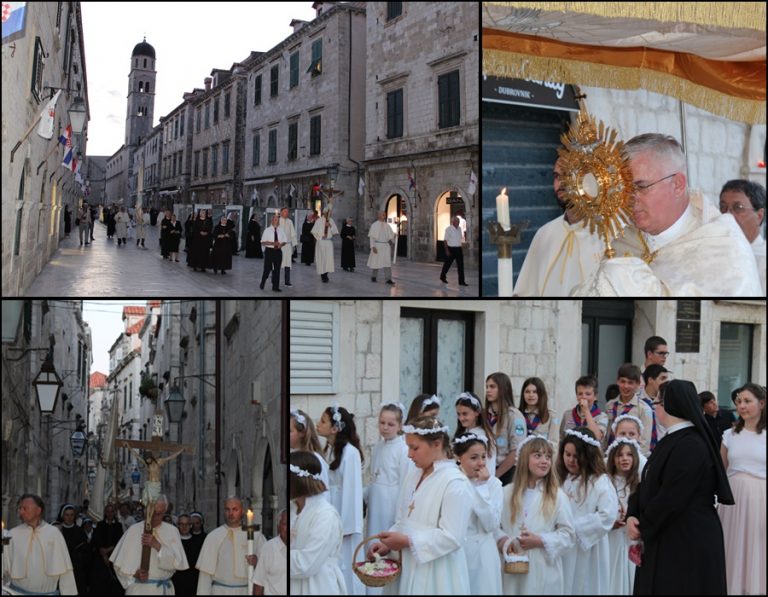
{"x": 153, "y": 462}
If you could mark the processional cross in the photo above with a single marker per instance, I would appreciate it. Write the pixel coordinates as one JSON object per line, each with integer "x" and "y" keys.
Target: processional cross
{"x": 153, "y": 462}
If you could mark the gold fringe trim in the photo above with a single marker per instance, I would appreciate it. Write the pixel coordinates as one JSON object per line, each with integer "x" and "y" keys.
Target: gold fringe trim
{"x": 730, "y": 15}
{"x": 522, "y": 66}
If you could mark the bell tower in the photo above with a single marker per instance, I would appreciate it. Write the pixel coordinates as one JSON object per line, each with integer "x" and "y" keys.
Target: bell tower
{"x": 141, "y": 93}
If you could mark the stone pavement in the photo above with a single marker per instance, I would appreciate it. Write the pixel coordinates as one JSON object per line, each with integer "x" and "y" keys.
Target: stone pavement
{"x": 104, "y": 270}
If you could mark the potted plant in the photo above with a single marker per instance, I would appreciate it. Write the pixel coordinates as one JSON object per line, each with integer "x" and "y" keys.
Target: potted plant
{"x": 147, "y": 387}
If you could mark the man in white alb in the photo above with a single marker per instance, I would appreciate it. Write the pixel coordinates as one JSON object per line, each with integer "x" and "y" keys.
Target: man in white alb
{"x": 694, "y": 250}
{"x": 746, "y": 201}
{"x": 39, "y": 561}
{"x": 223, "y": 560}
{"x": 323, "y": 231}
{"x": 290, "y": 235}
{"x": 562, "y": 254}
{"x": 381, "y": 236}
{"x": 166, "y": 555}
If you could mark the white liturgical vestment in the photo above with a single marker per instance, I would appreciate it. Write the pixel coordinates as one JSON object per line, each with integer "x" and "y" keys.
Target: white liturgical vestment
{"x": 704, "y": 253}
{"x": 324, "y": 246}
{"x": 222, "y": 564}
{"x": 380, "y": 236}
{"x": 272, "y": 572}
{"x": 561, "y": 256}
{"x": 435, "y": 516}
{"x": 39, "y": 560}
{"x": 162, "y": 564}
{"x": 758, "y": 248}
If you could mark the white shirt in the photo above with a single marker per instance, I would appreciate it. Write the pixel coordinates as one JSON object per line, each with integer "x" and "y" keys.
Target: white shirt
{"x": 271, "y": 572}
{"x": 685, "y": 224}
{"x": 453, "y": 237}
{"x": 269, "y": 236}
{"x": 746, "y": 452}
{"x": 758, "y": 248}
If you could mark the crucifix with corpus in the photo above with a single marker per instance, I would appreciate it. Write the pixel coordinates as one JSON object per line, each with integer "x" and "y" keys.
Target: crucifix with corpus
{"x": 153, "y": 462}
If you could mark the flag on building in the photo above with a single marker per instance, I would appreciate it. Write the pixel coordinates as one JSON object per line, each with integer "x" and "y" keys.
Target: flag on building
{"x": 70, "y": 161}
{"x": 66, "y": 136}
{"x": 291, "y": 191}
{"x": 361, "y": 187}
{"x": 78, "y": 176}
{"x": 14, "y": 17}
{"x": 411, "y": 181}
{"x": 472, "y": 182}
{"x": 47, "y": 117}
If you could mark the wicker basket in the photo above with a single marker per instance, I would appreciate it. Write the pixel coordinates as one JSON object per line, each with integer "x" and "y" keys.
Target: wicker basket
{"x": 372, "y": 581}
{"x": 516, "y": 567}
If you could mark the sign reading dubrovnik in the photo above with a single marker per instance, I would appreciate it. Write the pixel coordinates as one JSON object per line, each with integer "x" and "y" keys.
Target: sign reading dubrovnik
{"x": 537, "y": 94}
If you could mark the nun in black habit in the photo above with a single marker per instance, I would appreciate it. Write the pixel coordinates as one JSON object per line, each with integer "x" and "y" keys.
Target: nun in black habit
{"x": 673, "y": 510}
{"x": 253, "y": 242}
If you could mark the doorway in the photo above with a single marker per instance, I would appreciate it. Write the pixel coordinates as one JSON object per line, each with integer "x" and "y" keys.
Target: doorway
{"x": 398, "y": 217}
{"x": 448, "y": 205}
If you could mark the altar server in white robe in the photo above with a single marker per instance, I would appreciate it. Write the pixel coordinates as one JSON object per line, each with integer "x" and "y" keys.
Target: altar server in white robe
{"x": 389, "y": 467}
{"x": 270, "y": 577}
{"x": 536, "y": 521}
{"x": 316, "y": 532}
{"x": 323, "y": 231}
{"x": 563, "y": 253}
{"x": 432, "y": 517}
{"x": 485, "y": 513}
{"x": 337, "y": 425}
{"x": 304, "y": 437}
{"x": 223, "y": 561}
{"x": 286, "y": 225}
{"x": 166, "y": 556}
{"x": 693, "y": 249}
{"x": 380, "y": 236}
{"x": 623, "y": 462}
{"x": 595, "y": 507}
{"x": 37, "y": 560}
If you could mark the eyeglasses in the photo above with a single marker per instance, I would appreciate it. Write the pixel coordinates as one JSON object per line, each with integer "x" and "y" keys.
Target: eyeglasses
{"x": 661, "y": 354}
{"x": 735, "y": 208}
{"x": 645, "y": 187}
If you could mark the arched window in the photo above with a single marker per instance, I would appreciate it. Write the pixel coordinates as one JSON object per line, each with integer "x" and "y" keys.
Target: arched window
{"x": 141, "y": 87}
{"x": 147, "y": 88}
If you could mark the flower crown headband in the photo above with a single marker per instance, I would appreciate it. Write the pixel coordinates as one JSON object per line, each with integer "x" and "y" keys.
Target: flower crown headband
{"x": 433, "y": 400}
{"x": 469, "y": 438}
{"x": 418, "y": 431}
{"x": 621, "y": 418}
{"x": 300, "y": 419}
{"x": 300, "y": 472}
{"x": 623, "y": 440}
{"x": 583, "y": 437}
{"x": 470, "y": 397}
{"x": 530, "y": 438}
{"x": 399, "y": 406}
{"x": 337, "y": 422}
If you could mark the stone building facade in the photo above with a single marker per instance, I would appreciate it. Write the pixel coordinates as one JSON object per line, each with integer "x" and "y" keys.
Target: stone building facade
{"x": 37, "y": 456}
{"x": 363, "y": 353}
{"x": 305, "y": 114}
{"x": 422, "y": 123}
{"x": 48, "y": 54}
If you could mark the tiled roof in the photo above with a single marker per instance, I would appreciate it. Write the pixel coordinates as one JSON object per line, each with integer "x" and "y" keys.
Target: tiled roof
{"x": 131, "y": 310}
{"x": 98, "y": 379}
{"x": 135, "y": 328}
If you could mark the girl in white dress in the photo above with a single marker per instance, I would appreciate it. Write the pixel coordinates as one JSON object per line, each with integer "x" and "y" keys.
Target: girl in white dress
{"x": 345, "y": 458}
{"x": 424, "y": 405}
{"x": 623, "y": 459}
{"x": 469, "y": 411}
{"x": 595, "y": 507}
{"x": 432, "y": 517}
{"x": 389, "y": 466}
{"x": 316, "y": 532}
{"x": 539, "y": 418}
{"x": 507, "y": 422}
{"x": 536, "y": 522}
{"x": 480, "y": 546}
{"x": 304, "y": 437}
{"x": 631, "y": 427}
{"x": 743, "y": 454}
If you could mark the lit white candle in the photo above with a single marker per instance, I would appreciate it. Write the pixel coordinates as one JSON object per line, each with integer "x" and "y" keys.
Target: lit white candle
{"x": 502, "y": 209}
{"x": 250, "y": 541}
{"x": 505, "y": 276}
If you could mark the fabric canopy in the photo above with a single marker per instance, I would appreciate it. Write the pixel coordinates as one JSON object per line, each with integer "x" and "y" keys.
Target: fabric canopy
{"x": 709, "y": 55}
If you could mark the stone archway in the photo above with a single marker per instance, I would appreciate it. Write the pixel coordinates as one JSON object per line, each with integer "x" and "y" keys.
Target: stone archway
{"x": 448, "y": 204}
{"x": 400, "y": 216}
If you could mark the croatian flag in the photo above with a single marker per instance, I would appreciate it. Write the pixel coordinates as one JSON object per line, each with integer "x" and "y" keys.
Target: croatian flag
{"x": 14, "y": 14}
{"x": 70, "y": 162}
{"x": 412, "y": 182}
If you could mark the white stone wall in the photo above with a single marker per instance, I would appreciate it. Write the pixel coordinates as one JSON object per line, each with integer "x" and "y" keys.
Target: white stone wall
{"x": 34, "y": 184}
{"x": 718, "y": 149}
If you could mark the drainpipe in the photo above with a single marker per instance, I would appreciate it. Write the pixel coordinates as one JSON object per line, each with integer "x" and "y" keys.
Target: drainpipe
{"x": 218, "y": 411}
{"x": 349, "y": 123}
